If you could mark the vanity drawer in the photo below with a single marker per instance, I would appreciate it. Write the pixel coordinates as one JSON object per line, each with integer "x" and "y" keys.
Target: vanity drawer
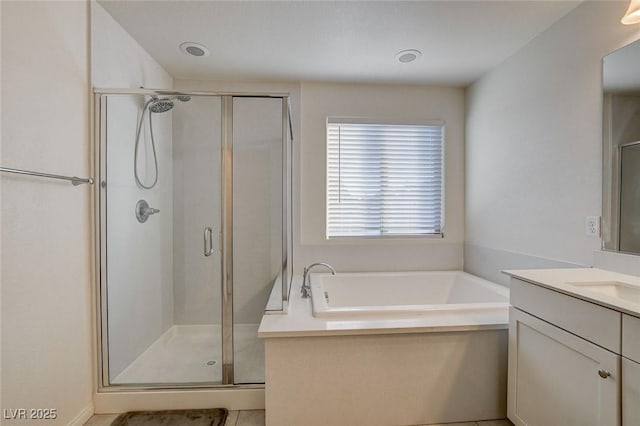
{"x": 592, "y": 322}
{"x": 631, "y": 337}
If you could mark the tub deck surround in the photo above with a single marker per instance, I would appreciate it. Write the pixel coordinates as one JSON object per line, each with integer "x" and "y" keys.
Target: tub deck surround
{"x": 590, "y": 284}
{"x": 381, "y": 369}
{"x": 301, "y": 322}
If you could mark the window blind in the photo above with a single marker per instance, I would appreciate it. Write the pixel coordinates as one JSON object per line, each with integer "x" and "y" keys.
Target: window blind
{"x": 384, "y": 179}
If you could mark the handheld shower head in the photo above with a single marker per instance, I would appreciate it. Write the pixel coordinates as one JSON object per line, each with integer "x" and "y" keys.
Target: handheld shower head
{"x": 158, "y": 105}
{"x": 161, "y": 105}
{"x": 154, "y": 105}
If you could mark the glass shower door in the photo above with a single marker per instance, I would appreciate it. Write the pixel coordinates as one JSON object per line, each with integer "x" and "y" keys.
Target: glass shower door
{"x": 192, "y": 189}
{"x": 160, "y": 254}
{"x": 259, "y": 243}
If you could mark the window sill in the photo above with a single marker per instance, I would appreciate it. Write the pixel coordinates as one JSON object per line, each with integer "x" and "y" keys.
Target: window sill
{"x": 384, "y": 239}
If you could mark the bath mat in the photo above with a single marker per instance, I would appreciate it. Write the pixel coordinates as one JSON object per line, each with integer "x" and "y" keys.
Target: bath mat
{"x": 206, "y": 417}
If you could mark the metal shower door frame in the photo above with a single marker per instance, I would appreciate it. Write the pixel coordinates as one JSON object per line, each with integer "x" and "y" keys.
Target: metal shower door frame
{"x": 228, "y": 354}
{"x": 227, "y": 240}
{"x": 99, "y": 114}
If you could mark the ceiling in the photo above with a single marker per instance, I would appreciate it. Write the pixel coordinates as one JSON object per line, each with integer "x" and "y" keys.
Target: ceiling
{"x": 351, "y": 41}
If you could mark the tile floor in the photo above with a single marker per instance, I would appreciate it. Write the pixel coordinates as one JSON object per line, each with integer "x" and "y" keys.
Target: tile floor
{"x": 256, "y": 418}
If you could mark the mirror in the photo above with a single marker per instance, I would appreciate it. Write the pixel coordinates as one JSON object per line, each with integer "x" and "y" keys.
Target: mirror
{"x": 621, "y": 150}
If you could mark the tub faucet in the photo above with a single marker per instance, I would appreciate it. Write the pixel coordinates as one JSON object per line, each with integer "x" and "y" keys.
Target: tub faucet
{"x": 306, "y": 286}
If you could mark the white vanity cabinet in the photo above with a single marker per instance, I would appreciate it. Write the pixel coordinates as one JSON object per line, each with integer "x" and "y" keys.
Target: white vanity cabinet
{"x": 630, "y": 370}
{"x": 564, "y": 368}
{"x": 630, "y": 392}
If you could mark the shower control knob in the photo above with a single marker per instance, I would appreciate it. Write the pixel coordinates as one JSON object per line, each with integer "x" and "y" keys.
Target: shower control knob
{"x": 143, "y": 211}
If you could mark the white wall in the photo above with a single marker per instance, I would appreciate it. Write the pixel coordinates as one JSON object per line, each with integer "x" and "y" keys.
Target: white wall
{"x": 117, "y": 60}
{"x": 47, "y": 325}
{"x": 140, "y": 256}
{"x": 321, "y": 100}
{"x": 534, "y": 146}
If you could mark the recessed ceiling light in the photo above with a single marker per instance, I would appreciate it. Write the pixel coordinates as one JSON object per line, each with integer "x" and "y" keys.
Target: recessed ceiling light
{"x": 194, "y": 49}
{"x": 409, "y": 55}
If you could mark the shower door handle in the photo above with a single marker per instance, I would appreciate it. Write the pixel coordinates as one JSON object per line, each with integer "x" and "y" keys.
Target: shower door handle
{"x": 208, "y": 241}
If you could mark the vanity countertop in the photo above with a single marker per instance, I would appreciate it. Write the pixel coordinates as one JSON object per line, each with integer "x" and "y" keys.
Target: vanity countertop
{"x": 610, "y": 289}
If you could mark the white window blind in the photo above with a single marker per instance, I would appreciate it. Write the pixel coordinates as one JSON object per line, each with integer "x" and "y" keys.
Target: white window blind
{"x": 384, "y": 179}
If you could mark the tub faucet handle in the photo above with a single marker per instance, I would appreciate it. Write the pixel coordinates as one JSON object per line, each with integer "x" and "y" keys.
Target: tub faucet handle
{"x": 306, "y": 286}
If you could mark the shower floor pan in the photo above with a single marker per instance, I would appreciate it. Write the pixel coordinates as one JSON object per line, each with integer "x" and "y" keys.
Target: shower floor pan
{"x": 191, "y": 354}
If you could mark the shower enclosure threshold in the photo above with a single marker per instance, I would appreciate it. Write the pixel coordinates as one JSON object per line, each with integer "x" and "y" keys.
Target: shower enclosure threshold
{"x": 191, "y": 354}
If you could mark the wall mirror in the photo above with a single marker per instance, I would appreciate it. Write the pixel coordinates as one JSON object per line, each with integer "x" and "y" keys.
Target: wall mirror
{"x": 621, "y": 150}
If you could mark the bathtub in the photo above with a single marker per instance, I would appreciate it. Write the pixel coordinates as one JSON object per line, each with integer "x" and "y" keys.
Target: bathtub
{"x": 402, "y": 348}
{"x": 402, "y": 294}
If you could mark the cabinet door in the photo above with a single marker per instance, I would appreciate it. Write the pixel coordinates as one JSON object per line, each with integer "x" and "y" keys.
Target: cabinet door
{"x": 555, "y": 377}
{"x": 630, "y": 392}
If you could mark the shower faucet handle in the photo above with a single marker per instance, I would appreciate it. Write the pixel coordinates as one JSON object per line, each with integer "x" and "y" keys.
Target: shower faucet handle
{"x": 143, "y": 211}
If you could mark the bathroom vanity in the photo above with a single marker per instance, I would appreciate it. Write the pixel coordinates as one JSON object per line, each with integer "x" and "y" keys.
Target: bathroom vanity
{"x": 574, "y": 348}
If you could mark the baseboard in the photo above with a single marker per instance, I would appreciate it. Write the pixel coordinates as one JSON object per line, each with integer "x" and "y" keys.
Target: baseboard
{"x": 232, "y": 399}
{"x": 83, "y": 416}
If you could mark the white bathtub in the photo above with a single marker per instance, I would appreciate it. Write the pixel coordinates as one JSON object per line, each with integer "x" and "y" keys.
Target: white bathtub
{"x": 347, "y": 295}
{"x": 432, "y": 345}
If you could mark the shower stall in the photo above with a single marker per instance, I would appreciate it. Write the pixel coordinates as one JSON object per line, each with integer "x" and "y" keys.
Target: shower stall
{"x": 193, "y": 234}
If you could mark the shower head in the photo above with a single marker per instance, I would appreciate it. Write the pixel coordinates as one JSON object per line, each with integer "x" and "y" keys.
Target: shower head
{"x": 155, "y": 105}
{"x": 158, "y": 105}
{"x": 161, "y": 105}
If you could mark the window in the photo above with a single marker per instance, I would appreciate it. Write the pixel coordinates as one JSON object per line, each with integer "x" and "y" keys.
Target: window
{"x": 384, "y": 179}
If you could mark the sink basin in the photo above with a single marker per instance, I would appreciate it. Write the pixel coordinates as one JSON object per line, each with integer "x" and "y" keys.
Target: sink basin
{"x": 616, "y": 289}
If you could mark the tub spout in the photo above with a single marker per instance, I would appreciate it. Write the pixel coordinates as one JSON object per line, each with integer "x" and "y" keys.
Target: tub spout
{"x": 306, "y": 286}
